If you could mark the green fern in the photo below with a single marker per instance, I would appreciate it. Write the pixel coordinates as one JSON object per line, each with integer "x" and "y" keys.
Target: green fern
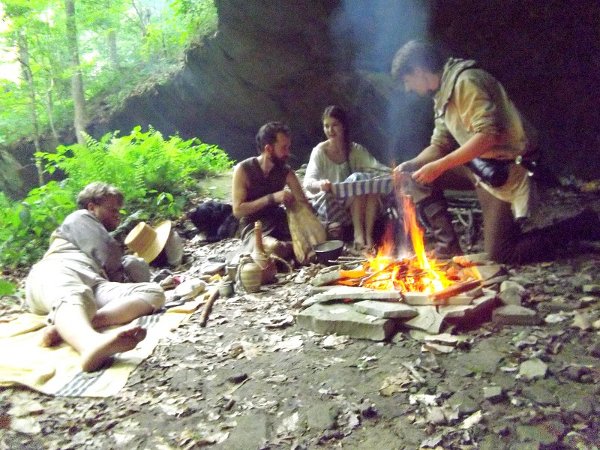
{"x": 154, "y": 174}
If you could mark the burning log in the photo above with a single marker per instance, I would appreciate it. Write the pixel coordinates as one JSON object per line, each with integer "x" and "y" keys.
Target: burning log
{"x": 455, "y": 289}
{"x": 431, "y": 282}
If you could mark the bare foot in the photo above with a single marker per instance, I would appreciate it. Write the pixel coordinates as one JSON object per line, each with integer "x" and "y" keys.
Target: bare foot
{"x": 51, "y": 337}
{"x": 109, "y": 345}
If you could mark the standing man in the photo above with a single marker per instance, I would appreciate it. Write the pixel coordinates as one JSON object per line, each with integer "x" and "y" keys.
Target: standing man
{"x": 477, "y": 126}
{"x": 259, "y": 183}
{"x": 83, "y": 282}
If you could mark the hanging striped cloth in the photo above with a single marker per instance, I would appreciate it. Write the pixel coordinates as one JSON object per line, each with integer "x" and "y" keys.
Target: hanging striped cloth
{"x": 360, "y": 183}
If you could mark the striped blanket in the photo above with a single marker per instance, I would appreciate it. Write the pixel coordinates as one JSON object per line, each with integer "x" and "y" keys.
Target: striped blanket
{"x": 56, "y": 370}
{"x": 375, "y": 185}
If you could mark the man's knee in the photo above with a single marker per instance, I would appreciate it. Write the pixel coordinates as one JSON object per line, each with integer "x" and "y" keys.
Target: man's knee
{"x": 152, "y": 294}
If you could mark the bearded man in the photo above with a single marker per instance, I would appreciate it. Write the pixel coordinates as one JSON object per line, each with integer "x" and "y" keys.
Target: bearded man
{"x": 264, "y": 184}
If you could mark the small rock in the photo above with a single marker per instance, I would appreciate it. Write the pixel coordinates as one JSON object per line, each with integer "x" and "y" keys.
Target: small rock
{"x": 555, "y": 318}
{"x": 540, "y": 393}
{"x": 436, "y": 416}
{"x": 509, "y": 284}
{"x": 511, "y": 293}
{"x": 322, "y": 416}
{"x": 588, "y": 300}
{"x": 537, "y": 434}
{"x": 515, "y": 315}
{"x": 464, "y": 403}
{"x": 237, "y": 379}
{"x": 591, "y": 289}
{"x": 493, "y": 393}
{"x": 533, "y": 368}
{"x": 582, "y": 322}
{"x": 574, "y": 439}
{"x": 325, "y": 278}
{"x": 582, "y": 406}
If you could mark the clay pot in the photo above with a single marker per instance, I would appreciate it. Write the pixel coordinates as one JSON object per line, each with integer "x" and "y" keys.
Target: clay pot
{"x": 249, "y": 274}
{"x": 260, "y": 257}
{"x": 267, "y": 266}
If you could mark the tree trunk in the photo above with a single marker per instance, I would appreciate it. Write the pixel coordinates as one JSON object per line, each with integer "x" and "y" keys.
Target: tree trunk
{"x": 28, "y": 76}
{"x": 76, "y": 76}
{"x": 50, "y": 108}
{"x": 113, "y": 50}
{"x": 142, "y": 15}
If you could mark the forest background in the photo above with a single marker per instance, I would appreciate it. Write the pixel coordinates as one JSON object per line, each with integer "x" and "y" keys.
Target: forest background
{"x": 63, "y": 58}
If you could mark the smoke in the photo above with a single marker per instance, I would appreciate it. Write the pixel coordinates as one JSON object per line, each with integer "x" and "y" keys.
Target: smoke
{"x": 367, "y": 35}
{"x": 376, "y": 28}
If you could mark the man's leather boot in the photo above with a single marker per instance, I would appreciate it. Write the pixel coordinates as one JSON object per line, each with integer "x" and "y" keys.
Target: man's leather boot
{"x": 434, "y": 211}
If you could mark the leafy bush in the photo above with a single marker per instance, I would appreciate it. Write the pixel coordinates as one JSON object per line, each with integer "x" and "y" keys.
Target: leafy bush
{"x": 25, "y": 226}
{"x": 152, "y": 172}
{"x": 6, "y": 287}
{"x": 154, "y": 175}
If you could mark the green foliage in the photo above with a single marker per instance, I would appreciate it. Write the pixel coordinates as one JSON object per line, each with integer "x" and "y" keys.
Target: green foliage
{"x": 26, "y": 226}
{"x": 143, "y": 165}
{"x": 6, "y": 287}
{"x": 154, "y": 174}
{"x": 149, "y": 38}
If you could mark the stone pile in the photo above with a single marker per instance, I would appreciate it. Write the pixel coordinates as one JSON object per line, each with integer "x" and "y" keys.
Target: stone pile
{"x": 378, "y": 314}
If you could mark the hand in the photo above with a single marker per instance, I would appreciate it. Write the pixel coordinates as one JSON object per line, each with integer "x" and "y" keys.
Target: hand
{"x": 429, "y": 172}
{"x": 284, "y": 197}
{"x": 406, "y": 166}
{"x": 325, "y": 185}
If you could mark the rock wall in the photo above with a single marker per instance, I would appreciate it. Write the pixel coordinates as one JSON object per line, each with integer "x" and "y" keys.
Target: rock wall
{"x": 287, "y": 60}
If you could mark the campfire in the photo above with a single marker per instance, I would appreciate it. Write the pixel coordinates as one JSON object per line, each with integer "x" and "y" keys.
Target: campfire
{"x": 416, "y": 273}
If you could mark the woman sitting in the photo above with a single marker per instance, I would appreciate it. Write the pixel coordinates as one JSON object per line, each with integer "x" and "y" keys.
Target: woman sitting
{"x": 339, "y": 160}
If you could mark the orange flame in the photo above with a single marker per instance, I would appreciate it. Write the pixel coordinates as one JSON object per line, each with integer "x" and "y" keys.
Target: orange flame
{"x": 416, "y": 274}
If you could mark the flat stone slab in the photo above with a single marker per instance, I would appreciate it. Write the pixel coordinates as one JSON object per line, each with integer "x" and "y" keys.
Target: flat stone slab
{"x": 349, "y": 293}
{"x": 429, "y": 320}
{"x": 515, "y": 315}
{"x": 386, "y": 310}
{"x": 422, "y": 299}
{"x": 490, "y": 271}
{"x": 343, "y": 319}
{"x": 477, "y": 307}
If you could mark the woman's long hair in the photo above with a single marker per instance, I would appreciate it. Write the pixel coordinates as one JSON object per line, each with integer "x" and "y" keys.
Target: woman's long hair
{"x": 339, "y": 114}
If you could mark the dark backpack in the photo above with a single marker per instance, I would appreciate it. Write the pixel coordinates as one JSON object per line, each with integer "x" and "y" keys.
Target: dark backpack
{"x": 215, "y": 219}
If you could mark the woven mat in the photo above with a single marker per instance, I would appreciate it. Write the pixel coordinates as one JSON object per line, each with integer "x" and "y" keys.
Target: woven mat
{"x": 57, "y": 371}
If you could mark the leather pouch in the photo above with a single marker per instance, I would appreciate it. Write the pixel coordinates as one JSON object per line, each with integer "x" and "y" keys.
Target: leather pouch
{"x": 491, "y": 171}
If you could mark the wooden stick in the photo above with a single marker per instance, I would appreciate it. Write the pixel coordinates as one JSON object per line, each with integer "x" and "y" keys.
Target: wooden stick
{"x": 456, "y": 289}
{"x": 208, "y": 307}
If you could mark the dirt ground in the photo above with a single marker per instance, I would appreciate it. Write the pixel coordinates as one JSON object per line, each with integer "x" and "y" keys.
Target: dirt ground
{"x": 252, "y": 379}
